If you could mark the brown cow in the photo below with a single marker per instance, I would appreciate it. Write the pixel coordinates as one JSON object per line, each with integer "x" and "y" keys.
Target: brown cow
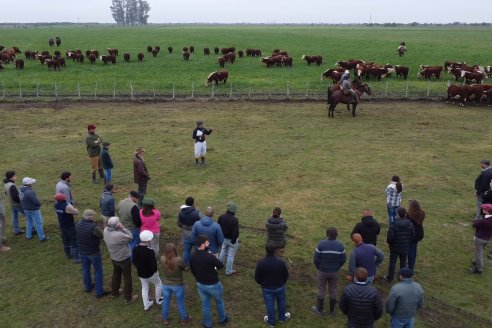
{"x": 350, "y": 64}
{"x": 240, "y": 53}
{"x": 58, "y": 41}
{"x": 216, "y": 50}
{"x": 140, "y": 56}
{"x": 112, "y": 51}
{"x": 286, "y": 61}
{"x": 378, "y": 72}
{"x": 478, "y": 76}
{"x": 216, "y": 77}
{"x": 108, "y": 59}
{"x": 155, "y": 52}
{"x": 192, "y": 50}
{"x": 487, "y": 94}
{"x": 19, "y": 64}
{"x": 221, "y": 61}
{"x": 401, "y": 71}
{"x": 170, "y": 50}
{"x": 313, "y": 59}
{"x": 272, "y": 61}
{"x": 185, "y": 49}
{"x": 464, "y": 92}
{"x": 149, "y": 49}
{"x": 53, "y": 63}
{"x": 51, "y": 42}
{"x": 92, "y": 58}
{"x": 253, "y": 52}
{"x": 328, "y": 73}
{"x": 428, "y": 71}
{"x": 186, "y": 55}
{"x": 206, "y": 51}
{"x": 227, "y": 50}
{"x": 126, "y": 57}
{"x": 60, "y": 60}
{"x": 158, "y": 48}
{"x": 230, "y": 57}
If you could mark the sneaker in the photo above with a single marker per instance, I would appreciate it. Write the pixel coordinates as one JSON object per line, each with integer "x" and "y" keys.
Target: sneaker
{"x": 287, "y": 317}
{"x": 105, "y": 293}
{"x": 44, "y": 240}
{"x": 149, "y": 305}
{"x": 133, "y": 299}
{"x": 474, "y": 270}
{"x": 315, "y": 310}
{"x": 225, "y": 321}
{"x": 20, "y": 232}
{"x": 89, "y": 290}
{"x": 165, "y": 322}
{"x": 265, "y": 318}
{"x": 4, "y": 248}
{"x": 233, "y": 272}
{"x": 186, "y": 321}
{"x": 159, "y": 301}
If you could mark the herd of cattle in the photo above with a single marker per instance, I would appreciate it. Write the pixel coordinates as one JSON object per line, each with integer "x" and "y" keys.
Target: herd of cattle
{"x": 279, "y": 58}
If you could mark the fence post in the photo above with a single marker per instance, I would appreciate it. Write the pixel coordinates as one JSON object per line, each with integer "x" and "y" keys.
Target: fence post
{"x": 213, "y": 90}
{"x": 307, "y": 89}
{"x": 270, "y": 91}
{"x": 193, "y": 89}
{"x": 37, "y": 90}
{"x": 386, "y": 91}
{"x": 114, "y": 89}
{"x": 249, "y": 91}
{"x": 95, "y": 92}
{"x": 174, "y": 90}
{"x": 20, "y": 90}
{"x": 288, "y": 90}
{"x": 153, "y": 87}
{"x": 230, "y": 93}
{"x": 131, "y": 89}
{"x": 428, "y": 88}
{"x": 78, "y": 88}
{"x": 3, "y": 89}
{"x": 406, "y": 91}
{"x": 56, "y": 92}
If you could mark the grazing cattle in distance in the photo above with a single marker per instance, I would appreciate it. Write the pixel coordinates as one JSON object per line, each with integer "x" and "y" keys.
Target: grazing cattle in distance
{"x": 240, "y": 54}
{"x": 5, "y": 57}
{"x": 45, "y": 53}
{"x": 58, "y": 41}
{"x": 221, "y": 61}
{"x": 230, "y": 57}
{"x": 427, "y": 71}
{"x": 477, "y": 76}
{"x": 313, "y": 59}
{"x": 108, "y": 59}
{"x": 378, "y": 72}
{"x": 92, "y": 58}
{"x": 140, "y": 56}
{"x": 350, "y": 64}
{"x": 225, "y": 51}
{"x": 149, "y": 49}
{"x": 206, "y": 51}
{"x": 464, "y": 92}
{"x": 216, "y": 77}
{"x": 51, "y": 42}
{"x": 401, "y": 71}
{"x": 287, "y": 61}
{"x": 79, "y": 58}
{"x": 60, "y": 60}
{"x": 216, "y": 50}
{"x": 278, "y": 52}
{"x": 456, "y": 71}
{"x": 158, "y": 48}
{"x": 53, "y": 63}
{"x": 112, "y": 51}
{"x": 253, "y": 52}
{"x": 126, "y": 57}
{"x": 170, "y": 50}
{"x": 155, "y": 52}
{"x": 271, "y": 61}
{"x": 186, "y": 55}
{"x": 192, "y": 50}
{"x": 449, "y": 64}
{"x": 19, "y": 64}
{"x": 30, "y": 54}
{"x": 185, "y": 49}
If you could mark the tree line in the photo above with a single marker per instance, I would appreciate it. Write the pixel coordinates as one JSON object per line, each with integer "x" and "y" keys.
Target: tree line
{"x": 130, "y": 12}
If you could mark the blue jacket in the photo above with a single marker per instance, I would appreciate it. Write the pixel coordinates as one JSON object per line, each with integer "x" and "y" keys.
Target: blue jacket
{"x": 367, "y": 256}
{"x": 28, "y": 199}
{"x": 106, "y": 203}
{"x": 208, "y": 227}
{"x": 106, "y": 160}
{"x": 329, "y": 256}
{"x": 404, "y": 299}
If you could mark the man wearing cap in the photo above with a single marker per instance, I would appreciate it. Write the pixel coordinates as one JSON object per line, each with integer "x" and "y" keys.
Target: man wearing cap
{"x": 187, "y": 217}
{"x": 200, "y": 143}
{"x": 404, "y": 299}
{"x": 117, "y": 238}
{"x": 347, "y": 86}
{"x": 230, "y": 228}
{"x": 366, "y": 256}
{"x": 106, "y": 204}
{"x": 32, "y": 209}
{"x": 64, "y": 187}
{"x": 208, "y": 227}
{"x": 129, "y": 215}
{"x": 65, "y": 213}
{"x": 140, "y": 174}
{"x": 93, "y": 142}
{"x": 107, "y": 162}
{"x": 12, "y": 194}
{"x": 482, "y": 184}
{"x": 89, "y": 236}
{"x": 483, "y": 234}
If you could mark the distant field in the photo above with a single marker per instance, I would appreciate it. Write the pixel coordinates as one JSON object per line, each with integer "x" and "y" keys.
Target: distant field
{"x": 166, "y": 73}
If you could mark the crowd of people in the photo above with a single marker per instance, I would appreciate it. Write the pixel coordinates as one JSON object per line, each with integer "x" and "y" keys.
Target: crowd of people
{"x": 131, "y": 232}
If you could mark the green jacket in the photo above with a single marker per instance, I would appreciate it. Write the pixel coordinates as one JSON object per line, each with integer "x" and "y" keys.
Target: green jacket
{"x": 404, "y": 299}
{"x": 93, "y": 148}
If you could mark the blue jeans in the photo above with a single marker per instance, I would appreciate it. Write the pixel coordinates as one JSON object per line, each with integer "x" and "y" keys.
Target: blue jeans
{"x": 230, "y": 250}
{"x": 391, "y": 213}
{"x": 70, "y": 244}
{"x": 270, "y": 295}
{"x": 207, "y": 292}
{"x": 108, "y": 176}
{"x": 96, "y": 261}
{"x": 167, "y": 293}
{"x": 412, "y": 254}
{"x": 34, "y": 219}
{"x": 401, "y": 323}
{"x": 15, "y": 219}
{"x": 187, "y": 246}
{"x": 136, "y": 239}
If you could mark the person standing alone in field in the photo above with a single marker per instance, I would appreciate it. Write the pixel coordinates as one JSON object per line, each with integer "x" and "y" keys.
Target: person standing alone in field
{"x": 140, "y": 174}
{"x": 276, "y": 228}
{"x": 230, "y": 228}
{"x": 107, "y": 162}
{"x": 482, "y": 184}
{"x": 93, "y": 142}
{"x": 200, "y": 143}
{"x": 393, "y": 197}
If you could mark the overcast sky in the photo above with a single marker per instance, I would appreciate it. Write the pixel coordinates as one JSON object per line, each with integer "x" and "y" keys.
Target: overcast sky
{"x": 256, "y": 11}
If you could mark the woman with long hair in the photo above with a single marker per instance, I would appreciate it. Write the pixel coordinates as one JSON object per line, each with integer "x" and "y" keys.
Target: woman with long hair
{"x": 417, "y": 216}
{"x": 173, "y": 283}
{"x": 393, "y": 197}
{"x": 150, "y": 217}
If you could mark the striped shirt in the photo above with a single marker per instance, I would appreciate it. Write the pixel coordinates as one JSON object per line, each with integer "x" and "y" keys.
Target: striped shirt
{"x": 393, "y": 197}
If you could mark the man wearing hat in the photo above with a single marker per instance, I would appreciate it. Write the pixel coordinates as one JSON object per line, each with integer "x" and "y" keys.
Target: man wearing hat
{"x": 200, "y": 143}
{"x": 32, "y": 209}
{"x": 230, "y": 228}
{"x": 93, "y": 142}
{"x": 107, "y": 162}
{"x": 483, "y": 234}
{"x": 65, "y": 213}
{"x": 404, "y": 299}
{"x": 366, "y": 256}
{"x": 89, "y": 236}
{"x": 482, "y": 184}
{"x": 129, "y": 215}
{"x": 140, "y": 174}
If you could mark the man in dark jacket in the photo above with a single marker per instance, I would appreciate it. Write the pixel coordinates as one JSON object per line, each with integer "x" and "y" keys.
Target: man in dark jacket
{"x": 107, "y": 162}
{"x": 187, "y": 217}
{"x": 272, "y": 274}
{"x": 361, "y": 302}
{"x": 230, "y": 228}
{"x": 329, "y": 257}
{"x": 276, "y": 228}
{"x": 65, "y": 213}
{"x": 106, "y": 204}
{"x": 400, "y": 233}
{"x": 93, "y": 143}
{"x": 32, "y": 209}
{"x": 140, "y": 174}
{"x": 483, "y": 234}
{"x": 12, "y": 194}
{"x": 368, "y": 228}
{"x": 365, "y": 256}
{"x": 482, "y": 184}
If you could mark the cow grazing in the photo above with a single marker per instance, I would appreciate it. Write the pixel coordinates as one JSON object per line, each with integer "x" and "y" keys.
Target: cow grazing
{"x": 427, "y": 72}
{"x": 80, "y": 58}
{"x": 313, "y": 59}
{"x": 401, "y": 71}
{"x": 19, "y": 64}
{"x": 230, "y": 57}
{"x": 126, "y": 57}
{"x": 92, "y": 58}
{"x": 53, "y": 63}
{"x": 186, "y": 55}
{"x": 45, "y": 53}
{"x": 206, "y": 51}
{"x": 487, "y": 95}
{"x": 227, "y": 50}
{"x": 216, "y": 77}
{"x": 287, "y": 61}
{"x": 140, "y": 56}
{"x": 108, "y": 59}
{"x": 448, "y": 64}
{"x": 51, "y": 42}
{"x": 350, "y": 64}
{"x": 477, "y": 76}
{"x": 240, "y": 53}
{"x": 149, "y": 49}
{"x": 216, "y": 50}
{"x": 60, "y": 60}
{"x": 465, "y": 92}
{"x": 253, "y": 52}
{"x": 58, "y": 41}
{"x": 221, "y": 61}
{"x": 272, "y": 61}
{"x": 170, "y": 50}
{"x": 192, "y": 50}
{"x": 112, "y": 51}
{"x": 155, "y": 52}
{"x": 378, "y": 72}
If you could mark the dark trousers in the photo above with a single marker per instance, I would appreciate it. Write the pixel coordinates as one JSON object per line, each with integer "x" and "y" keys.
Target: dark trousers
{"x": 330, "y": 278}
{"x": 70, "y": 244}
{"x": 142, "y": 189}
{"x": 122, "y": 268}
{"x": 394, "y": 255}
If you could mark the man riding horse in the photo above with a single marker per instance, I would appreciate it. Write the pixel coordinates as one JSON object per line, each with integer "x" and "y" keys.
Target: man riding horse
{"x": 347, "y": 86}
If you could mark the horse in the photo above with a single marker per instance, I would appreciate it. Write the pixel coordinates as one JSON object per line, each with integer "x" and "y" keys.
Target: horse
{"x": 336, "y": 95}
{"x": 401, "y": 50}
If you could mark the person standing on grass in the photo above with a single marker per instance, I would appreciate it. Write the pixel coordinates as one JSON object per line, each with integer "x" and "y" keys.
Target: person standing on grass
{"x": 107, "y": 162}
{"x": 32, "y": 209}
{"x": 89, "y": 236}
{"x": 276, "y": 228}
{"x": 200, "y": 143}
{"x": 230, "y": 228}
{"x": 400, "y": 234}
{"x": 3, "y": 248}
{"x": 140, "y": 174}
{"x": 329, "y": 257}
{"x": 106, "y": 204}
{"x": 404, "y": 299}
{"x": 368, "y": 227}
{"x": 12, "y": 194}
{"x": 117, "y": 237}
{"x": 129, "y": 215}
{"x": 393, "y": 197}
{"x": 93, "y": 143}
{"x": 271, "y": 274}
{"x": 150, "y": 217}
{"x": 361, "y": 302}
{"x": 64, "y": 187}
{"x": 65, "y": 212}
{"x": 204, "y": 266}
{"x": 146, "y": 263}
{"x": 416, "y": 216}
{"x": 187, "y": 217}
{"x": 482, "y": 184}
{"x": 366, "y": 256}
{"x": 173, "y": 283}
{"x": 208, "y": 227}
{"x": 483, "y": 234}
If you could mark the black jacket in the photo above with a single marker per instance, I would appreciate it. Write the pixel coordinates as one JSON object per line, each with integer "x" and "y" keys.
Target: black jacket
{"x": 271, "y": 272}
{"x": 482, "y": 182}
{"x": 187, "y": 217}
{"x": 400, "y": 233}
{"x": 204, "y": 266}
{"x": 369, "y": 229}
{"x": 362, "y": 304}
{"x": 229, "y": 225}
{"x": 276, "y": 228}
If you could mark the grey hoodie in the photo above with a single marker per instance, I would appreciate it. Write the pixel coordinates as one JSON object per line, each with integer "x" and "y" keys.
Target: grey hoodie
{"x": 28, "y": 199}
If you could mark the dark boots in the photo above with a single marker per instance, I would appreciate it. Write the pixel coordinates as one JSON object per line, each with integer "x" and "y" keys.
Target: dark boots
{"x": 318, "y": 309}
{"x": 101, "y": 173}
{"x": 333, "y": 304}
{"x": 94, "y": 178}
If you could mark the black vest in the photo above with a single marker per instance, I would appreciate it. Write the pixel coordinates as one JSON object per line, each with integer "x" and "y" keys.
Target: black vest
{"x": 88, "y": 242}
{"x": 64, "y": 219}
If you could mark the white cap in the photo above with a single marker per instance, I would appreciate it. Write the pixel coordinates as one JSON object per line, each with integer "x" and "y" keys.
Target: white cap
{"x": 28, "y": 181}
{"x": 146, "y": 235}
{"x": 347, "y": 71}
{"x": 113, "y": 221}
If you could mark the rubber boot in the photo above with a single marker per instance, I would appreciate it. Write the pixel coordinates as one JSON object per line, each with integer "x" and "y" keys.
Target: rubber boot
{"x": 318, "y": 309}
{"x": 333, "y": 302}
{"x": 94, "y": 178}
{"x": 101, "y": 173}
{"x": 203, "y": 161}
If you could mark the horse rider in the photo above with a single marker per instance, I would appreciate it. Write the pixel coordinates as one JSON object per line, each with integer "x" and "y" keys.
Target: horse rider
{"x": 347, "y": 86}
{"x": 402, "y": 46}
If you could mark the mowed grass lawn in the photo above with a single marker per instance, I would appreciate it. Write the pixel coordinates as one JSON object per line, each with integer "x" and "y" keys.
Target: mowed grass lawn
{"x": 429, "y": 46}
{"x": 322, "y": 172}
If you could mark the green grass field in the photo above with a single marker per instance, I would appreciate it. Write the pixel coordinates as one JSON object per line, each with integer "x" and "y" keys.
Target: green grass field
{"x": 425, "y": 46}
{"x": 321, "y": 172}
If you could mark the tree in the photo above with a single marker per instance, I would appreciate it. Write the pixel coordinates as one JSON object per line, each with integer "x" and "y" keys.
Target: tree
{"x": 143, "y": 12}
{"x": 118, "y": 11}
{"x": 130, "y": 12}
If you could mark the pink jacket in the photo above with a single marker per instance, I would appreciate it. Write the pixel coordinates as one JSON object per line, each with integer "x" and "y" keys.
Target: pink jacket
{"x": 151, "y": 223}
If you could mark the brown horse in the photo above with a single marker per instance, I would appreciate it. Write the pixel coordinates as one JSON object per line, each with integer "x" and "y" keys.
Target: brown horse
{"x": 336, "y": 95}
